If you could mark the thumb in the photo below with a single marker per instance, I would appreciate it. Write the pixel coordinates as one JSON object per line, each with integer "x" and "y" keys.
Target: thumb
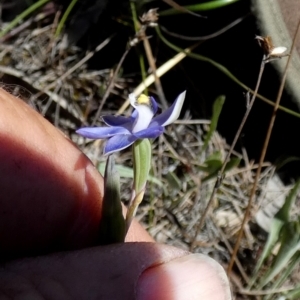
{"x": 194, "y": 276}
{"x": 121, "y": 271}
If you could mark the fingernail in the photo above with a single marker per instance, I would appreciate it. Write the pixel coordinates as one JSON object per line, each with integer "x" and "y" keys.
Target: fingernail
{"x": 194, "y": 276}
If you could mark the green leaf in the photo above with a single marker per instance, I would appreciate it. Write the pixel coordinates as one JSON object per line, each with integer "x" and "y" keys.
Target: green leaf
{"x": 284, "y": 213}
{"x": 199, "y": 7}
{"x": 211, "y": 166}
{"x": 141, "y": 163}
{"x": 283, "y": 160}
{"x": 217, "y": 108}
{"x": 273, "y": 237}
{"x": 280, "y": 219}
{"x": 233, "y": 162}
{"x": 214, "y": 156}
{"x": 173, "y": 181}
{"x": 294, "y": 294}
{"x": 282, "y": 277}
{"x": 126, "y": 172}
{"x": 212, "y": 163}
{"x": 290, "y": 244}
{"x": 112, "y": 224}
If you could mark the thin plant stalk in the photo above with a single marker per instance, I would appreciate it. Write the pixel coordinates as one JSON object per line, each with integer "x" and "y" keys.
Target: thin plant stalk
{"x": 22, "y": 16}
{"x": 140, "y": 30}
{"x": 110, "y": 86}
{"x": 205, "y": 37}
{"x": 182, "y": 9}
{"x": 198, "y": 7}
{"x": 64, "y": 18}
{"x": 262, "y": 157}
{"x": 224, "y": 70}
{"x": 157, "y": 81}
{"x": 221, "y": 173}
{"x": 141, "y": 57}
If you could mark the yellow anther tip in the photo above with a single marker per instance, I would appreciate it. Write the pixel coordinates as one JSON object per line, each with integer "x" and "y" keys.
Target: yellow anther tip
{"x": 143, "y": 99}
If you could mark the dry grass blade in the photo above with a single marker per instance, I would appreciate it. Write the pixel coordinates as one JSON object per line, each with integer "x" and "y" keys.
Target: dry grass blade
{"x": 265, "y": 292}
{"x": 75, "y": 67}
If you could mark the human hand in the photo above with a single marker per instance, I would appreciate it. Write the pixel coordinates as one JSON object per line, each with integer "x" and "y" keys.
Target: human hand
{"x": 50, "y": 207}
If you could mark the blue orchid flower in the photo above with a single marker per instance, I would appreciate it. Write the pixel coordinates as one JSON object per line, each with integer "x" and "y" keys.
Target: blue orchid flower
{"x": 124, "y": 131}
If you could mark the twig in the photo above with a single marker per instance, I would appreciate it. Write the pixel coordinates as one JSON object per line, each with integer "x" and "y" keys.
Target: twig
{"x": 262, "y": 156}
{"x": 205, "y": 37}
{"x": 149, "y": 19}
{"x": 57, "y": 109}
{"x": 221, "y": 173}
{"x": 110, "y": 86}
{"x": 151, "y": 61}
{"x": 56, "y": 91}
{"x": 227, "y": 244}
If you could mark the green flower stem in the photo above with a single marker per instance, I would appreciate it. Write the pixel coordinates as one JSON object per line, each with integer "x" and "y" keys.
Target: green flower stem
{"x": 141, "y": 168}
{"x": 132, "y": 209}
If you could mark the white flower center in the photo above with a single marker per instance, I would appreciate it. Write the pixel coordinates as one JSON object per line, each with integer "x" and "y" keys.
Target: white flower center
{"x": 145, "y": 112}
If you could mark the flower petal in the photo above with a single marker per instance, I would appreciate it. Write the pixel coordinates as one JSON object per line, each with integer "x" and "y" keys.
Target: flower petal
{"x": 132, "y": 99}
{"x": 150, "y": 133}
{"x": 154, "y": 105}
{"x": 120, "y": 121}
{"x": 118, "y": 143}
{"x": 171, "y": 114}
{"x": 134, "y": 114}
{"x": 144, "y": 118}
{"x": 278, "y": 51}
{"x": 101, "y": 132}
{"x": 116, "y": 120}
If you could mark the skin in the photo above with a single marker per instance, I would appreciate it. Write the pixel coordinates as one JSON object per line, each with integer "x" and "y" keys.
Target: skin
{"x": 50, "y": 207}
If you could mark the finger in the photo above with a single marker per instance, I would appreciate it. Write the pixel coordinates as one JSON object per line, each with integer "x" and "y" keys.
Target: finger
{"x": 50, "y": 193}
{"x": 123, "y": 271}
